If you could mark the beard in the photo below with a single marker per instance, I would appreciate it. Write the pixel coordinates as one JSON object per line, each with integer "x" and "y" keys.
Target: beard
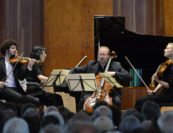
{"x": 12, "y": 56}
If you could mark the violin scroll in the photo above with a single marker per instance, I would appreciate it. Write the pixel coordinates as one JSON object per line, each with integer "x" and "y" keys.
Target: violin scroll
{"x": 113, "y": 54}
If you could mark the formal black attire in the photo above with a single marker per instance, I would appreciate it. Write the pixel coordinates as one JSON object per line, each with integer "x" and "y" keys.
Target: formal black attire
{"x": 35, "y": 89}
{"x": 165, "y": 95}
{"x": 121, "y": 76}
{"x": 15, "y": 94}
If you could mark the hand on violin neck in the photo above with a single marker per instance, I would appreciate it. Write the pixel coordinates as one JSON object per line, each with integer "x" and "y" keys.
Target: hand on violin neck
{"x": 154, "y": 77}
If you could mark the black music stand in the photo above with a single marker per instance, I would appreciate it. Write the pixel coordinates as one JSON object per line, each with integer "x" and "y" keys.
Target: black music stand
{"x": 81, "y": 82}
{"x": 81, "y": 85}
{"x": 57, "y": 78}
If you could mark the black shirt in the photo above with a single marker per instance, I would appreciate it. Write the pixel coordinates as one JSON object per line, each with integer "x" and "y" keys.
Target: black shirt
{"x": 32, "y": 75}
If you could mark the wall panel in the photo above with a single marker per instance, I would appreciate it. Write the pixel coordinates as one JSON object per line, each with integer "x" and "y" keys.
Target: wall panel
{"x": 69, "y": 30}
{"x": 168, "y": 13}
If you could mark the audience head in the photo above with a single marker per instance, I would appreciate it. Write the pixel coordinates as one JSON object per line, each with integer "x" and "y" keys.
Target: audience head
{"x": 66, "y": 113}
{"x": 16, "y": 125}
{"x": 103, "y": 124}
{"x": 31, "y": 112}
{"x": 102, "y": 111}
{"x": 129, "y": 124}
{"x": 151, "y": 110}
{"x": 80, "y": 127}
{"x": 52, "y": 117}
{"x": 81, "y": 116}
{"x": 51, "y": 108}
{"x": 165, "y": 122}
{"x": 132, "y": 112}
{"x": 51, "y": 128}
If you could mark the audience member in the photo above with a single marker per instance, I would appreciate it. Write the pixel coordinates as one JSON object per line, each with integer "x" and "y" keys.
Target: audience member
{"x": 16, "y": 125}
{"x": 165, "y": 122}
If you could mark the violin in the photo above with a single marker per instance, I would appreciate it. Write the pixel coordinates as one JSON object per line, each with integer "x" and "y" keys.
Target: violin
{"x": 21, "y": 60}
{"x": 163, "y": 67}
{"x": 160, "y": 70}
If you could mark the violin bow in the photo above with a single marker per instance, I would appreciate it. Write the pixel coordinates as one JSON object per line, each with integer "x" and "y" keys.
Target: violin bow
{"x": 81, "y": 61}
{"x": 136, "y": 72}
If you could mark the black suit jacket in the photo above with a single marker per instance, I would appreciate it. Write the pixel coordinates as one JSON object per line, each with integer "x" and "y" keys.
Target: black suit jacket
{"x": 19, "y": 73}
{"x": 122, "y": 76}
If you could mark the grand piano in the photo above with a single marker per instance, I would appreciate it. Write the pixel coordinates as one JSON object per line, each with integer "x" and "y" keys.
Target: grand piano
{"x": 144, "y": 51}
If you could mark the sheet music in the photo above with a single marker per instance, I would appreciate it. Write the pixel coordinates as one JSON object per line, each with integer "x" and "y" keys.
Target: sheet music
{"x": 57, "y": 77}
{"x": 111, "y": 80}
{"x": 81, "y": 82}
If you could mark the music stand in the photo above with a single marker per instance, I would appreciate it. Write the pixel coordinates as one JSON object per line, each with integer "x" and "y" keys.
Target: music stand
{"x": 111, "y": 80}
{"x": 57, "y": 78}
{"x": 81, "y": 82}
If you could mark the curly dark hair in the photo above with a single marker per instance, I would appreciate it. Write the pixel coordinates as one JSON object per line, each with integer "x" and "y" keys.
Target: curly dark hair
{"x": 6, "y": 45}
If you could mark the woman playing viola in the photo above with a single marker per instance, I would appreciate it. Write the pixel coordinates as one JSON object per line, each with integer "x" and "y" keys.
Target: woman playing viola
{"x": 164, "y": 79}
{"x": 35, "y": 78}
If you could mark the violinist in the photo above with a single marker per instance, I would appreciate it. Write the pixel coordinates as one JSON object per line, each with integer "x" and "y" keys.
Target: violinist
{"x": 35, "y": 79}
{"x": 10, "y": 74}
{"x": 115, "y": 69}
{"x": 163, "y": 78}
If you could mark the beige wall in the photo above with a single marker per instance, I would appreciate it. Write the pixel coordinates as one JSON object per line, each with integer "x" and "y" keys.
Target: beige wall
{"x": 168, "y": 13}
{"x": 69, "y": 30}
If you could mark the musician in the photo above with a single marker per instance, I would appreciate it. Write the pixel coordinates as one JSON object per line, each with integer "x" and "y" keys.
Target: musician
{"x": 163, "y": 92}
{"x": 35, "y": 79}
{"x": 10, "y": 74}
{"x": 115, "y": 70}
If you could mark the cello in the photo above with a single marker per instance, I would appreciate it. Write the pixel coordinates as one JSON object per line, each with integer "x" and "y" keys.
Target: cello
{"x": 102, "y": 91}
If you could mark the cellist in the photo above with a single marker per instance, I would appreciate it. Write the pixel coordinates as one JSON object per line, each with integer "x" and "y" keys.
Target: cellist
{"x": 115, "y": 69}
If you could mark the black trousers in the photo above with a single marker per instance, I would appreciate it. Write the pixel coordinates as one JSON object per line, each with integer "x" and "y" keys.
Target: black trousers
{"x": 158, "y": 98}
{"x": 46, "y": 98}
{"x": 12, "y": 95}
